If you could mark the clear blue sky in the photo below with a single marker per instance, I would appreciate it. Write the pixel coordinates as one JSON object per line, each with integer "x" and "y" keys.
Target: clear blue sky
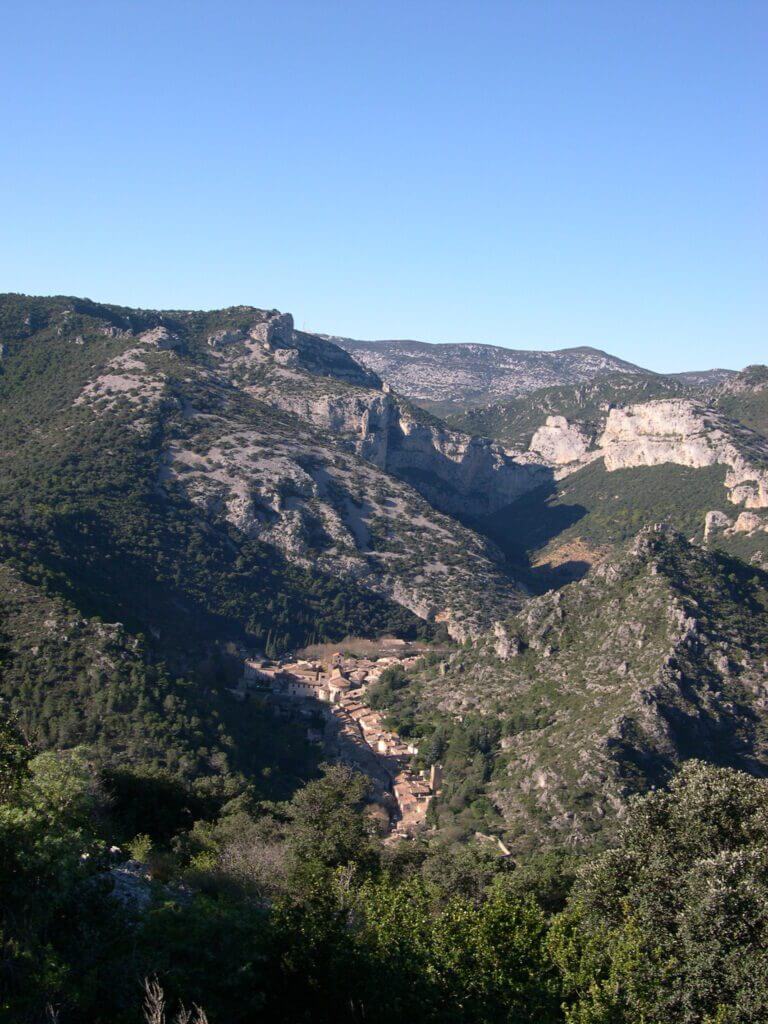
{"x": 534, "y": 174}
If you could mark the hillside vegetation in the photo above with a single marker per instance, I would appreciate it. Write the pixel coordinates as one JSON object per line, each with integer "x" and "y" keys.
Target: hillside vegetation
{"x": 292, "y": 912}
{"x": 596, "y": 691}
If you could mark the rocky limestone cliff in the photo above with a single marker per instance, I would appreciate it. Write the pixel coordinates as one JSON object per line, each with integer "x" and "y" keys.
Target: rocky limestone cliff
{"x": 749, "y": 523}
{"x": 459, "y": 474}
{"x": 561, "y": 443}
{"x": 683, "y": 432}
{"x": 688, "y": 434}
{"x": 273, "y": 336}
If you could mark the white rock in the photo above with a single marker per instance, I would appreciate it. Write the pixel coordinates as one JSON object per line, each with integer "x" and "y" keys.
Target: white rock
{"x": 160, "y": 337}
{"x": 560, "y": 442}
{"x": 715, "y": 521}
{"x": 279, "y": 328}
{"x": 684, "y": 433}
{"x": 749, "y": 522}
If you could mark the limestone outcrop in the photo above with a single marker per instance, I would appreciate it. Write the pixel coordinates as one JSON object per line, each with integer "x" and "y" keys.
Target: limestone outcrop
{"x": 457, "y": 473}
{"x": 680, "y": 431}
{"x": 688, "y": 434}
{"x": 266, "y": 337}
{"x": 714, "y": 521}
{"x": 560, "y": 442}
{"x": 748, "y": 523}
{"x": 161, "y": 337}
{"x": 277, "y": 330}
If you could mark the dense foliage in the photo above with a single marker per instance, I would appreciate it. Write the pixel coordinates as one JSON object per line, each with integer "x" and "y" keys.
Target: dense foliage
{"x": 81, "y": 682}
{"x": 293, "y": 911}
{"x": 672, "y": 925}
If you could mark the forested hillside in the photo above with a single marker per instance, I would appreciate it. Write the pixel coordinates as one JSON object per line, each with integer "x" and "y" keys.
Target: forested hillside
{"x": 122, "y": 600}
{"x": 181, "y": 490}
{"x": 170, "y": 431}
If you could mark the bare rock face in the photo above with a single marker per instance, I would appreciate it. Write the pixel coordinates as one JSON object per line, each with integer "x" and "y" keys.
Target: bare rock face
{"x": 506, "y": 645}
{"x": 278, "y": 330}
{"x": 287, "y": 357}
{"x": 131, "y": 885}
{"x": 560, "y": 442}
{"x": 161, "y": 338}
{"x": 270, "y": 336}
{"x": 457, "y": 473}
{"x": 749, "y": 522}
{"x": 269, "y": 330}
{"x": 219, "y": 339}
{"x": 714, "y": 521}
{"x": 679, "y": 431}
{"x": 657, "y": 432}
{"x": 686, "y": 433}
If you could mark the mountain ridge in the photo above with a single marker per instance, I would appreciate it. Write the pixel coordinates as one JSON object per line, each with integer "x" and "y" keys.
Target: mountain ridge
{"x": 447, "y": 377}
{"x": 205, "y": 401}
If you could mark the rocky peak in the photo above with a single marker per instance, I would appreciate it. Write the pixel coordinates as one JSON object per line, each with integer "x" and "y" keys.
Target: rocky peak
{"x": 271, "y": 336}
{"x": 654, "y": 539}
{"x": 276, "y": 332}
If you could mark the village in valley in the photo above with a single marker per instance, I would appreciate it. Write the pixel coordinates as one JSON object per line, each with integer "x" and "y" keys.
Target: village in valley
{"x": 327, "y": 688}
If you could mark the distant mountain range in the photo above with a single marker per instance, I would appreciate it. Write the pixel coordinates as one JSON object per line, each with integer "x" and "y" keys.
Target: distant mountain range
{"x": 471, "y": 374}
